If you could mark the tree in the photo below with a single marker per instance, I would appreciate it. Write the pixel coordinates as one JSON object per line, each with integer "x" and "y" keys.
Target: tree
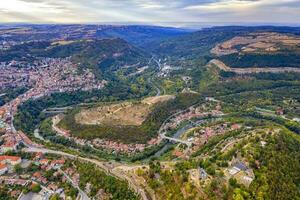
{"x": 36, "y": 188}
{"x": 55, "y": 197}
{"x": 18, "y": 169}
{"x": 232, "y": 182}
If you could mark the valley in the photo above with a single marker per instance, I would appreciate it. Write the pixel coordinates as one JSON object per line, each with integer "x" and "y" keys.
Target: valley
{"x": 180, "y": 119}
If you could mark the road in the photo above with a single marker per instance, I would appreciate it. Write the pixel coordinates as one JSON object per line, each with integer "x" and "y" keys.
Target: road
{"x": 108, "y": 170}
{"x": 13, "y": 129}
{"x": 158, "y": 91}
{"x": 189, "y": 144}
{"x": 161, "y": 130}
{"x": 158, "y": 63}
{"x": 37, "y": 134}
{"x": 240, "y": 70}
{"x": 149, "y": 80}
{"x": 83, "y": 195}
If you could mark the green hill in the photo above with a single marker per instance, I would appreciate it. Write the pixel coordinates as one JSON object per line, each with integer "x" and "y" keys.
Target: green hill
{"x": 200, "y": 43}
{"x": 99, "y": 55}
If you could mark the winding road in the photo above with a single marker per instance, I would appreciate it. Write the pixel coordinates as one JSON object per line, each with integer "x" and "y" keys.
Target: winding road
{"x": 158, "y": 91}
{"x": 108, "y": 170}
{"x": 83, "y": 195}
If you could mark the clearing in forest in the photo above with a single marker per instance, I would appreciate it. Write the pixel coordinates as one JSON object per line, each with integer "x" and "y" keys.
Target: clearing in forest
{"x": 125, "y": 113}
{"x": 265, "y": 42}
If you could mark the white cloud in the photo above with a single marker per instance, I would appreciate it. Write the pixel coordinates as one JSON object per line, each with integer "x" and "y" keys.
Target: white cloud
{"x": 223, "y": 5}
{"x": 151, "y": 11}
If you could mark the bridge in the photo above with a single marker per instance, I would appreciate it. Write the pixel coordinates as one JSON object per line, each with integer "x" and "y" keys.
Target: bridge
{"x": 189, "y": 144}
{"x": 197, "y": 123}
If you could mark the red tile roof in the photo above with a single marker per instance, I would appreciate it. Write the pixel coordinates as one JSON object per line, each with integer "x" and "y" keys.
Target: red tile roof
{"x": 44, "y": 161}
{"x": 2, "y": 166}
{"x": 10, "y": 158}
{"x": 37, "y": 175}
{"x": 58, "y": 162}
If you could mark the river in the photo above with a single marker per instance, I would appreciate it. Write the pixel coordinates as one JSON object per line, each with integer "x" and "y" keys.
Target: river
{"x": 177, "y": 135}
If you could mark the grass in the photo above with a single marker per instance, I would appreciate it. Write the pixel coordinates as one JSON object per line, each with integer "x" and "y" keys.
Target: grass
{"x": 129, "y": 133}
{"x": 120, "y": 114}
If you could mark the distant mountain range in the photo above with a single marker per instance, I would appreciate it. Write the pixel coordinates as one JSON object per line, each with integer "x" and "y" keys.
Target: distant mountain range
{"x": 134, "y": 34}
{"x": 102, "y": 47}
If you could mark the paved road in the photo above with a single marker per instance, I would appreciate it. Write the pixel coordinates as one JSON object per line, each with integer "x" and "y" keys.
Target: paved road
{"x": 13, "y": 129}
{"x": 132, "y": 183}
{"x": 83, "y": 195}
{"x": 177, "y": 140}
{"x": 37, "y": 134}
{"x": 240, "y": 70}
{"x": 150, "y": 81}
{"x": 158, "y": 63}
{"x": 158, "y": 91}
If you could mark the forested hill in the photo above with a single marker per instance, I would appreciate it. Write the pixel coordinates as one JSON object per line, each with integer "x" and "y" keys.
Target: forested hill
{"x": 141, "y": 35}
{"x": 99, "y": 55}
{"x": 103, "y": 55}
{"x": 135, "y": 34}
{"x": 197, "y": 44}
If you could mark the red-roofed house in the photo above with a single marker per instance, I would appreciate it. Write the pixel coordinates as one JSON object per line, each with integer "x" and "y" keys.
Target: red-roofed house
{"x": 9, "y": 146}
{"x": 57, "y": 163}
{"x": 44, "y": 162}
{"x": 37, "y": 175}
{"x": 52, "y": 186}
{"x": 3, "y": 169}
{"x": 13, "y": 160}
{"x": 177, "y": 153}
{"x": 38, "y": 155}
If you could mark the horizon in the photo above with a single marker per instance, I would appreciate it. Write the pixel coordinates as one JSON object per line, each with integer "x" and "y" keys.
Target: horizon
{"x": 152, "y": 12}
{"x": 185, "y": 25}
{"x": 149, "y": 99}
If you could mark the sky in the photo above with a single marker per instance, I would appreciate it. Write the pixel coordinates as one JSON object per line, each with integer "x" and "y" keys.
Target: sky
{"x": 156, "y": 12}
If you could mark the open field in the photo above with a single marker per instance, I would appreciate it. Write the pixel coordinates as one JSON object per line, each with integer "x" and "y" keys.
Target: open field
{"x": 267, "y": 50}
{"x": 126, "y": 113}
{"x": 150, "y": 112}
{"x": 62, "y": 42}
{"x": 266, "y": 42}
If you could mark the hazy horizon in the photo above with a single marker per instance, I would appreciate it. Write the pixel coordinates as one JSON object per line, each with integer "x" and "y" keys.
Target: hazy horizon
{"x": 177, "y": 13}
{"x": 184, "y": 25}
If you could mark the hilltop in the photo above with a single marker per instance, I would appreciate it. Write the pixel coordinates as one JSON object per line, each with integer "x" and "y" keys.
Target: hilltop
{"x": 200, "y": 43}
{"x": 99, "y": 55}
{"x": 134, "y": 34}
{"x": 215, "y": 111}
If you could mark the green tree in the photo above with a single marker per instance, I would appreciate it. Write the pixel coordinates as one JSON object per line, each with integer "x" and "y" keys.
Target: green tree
{"x": 36, "y": 188}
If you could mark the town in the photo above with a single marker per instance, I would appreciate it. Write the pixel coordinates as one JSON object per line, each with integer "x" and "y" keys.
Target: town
{"x": 128, "y": 112}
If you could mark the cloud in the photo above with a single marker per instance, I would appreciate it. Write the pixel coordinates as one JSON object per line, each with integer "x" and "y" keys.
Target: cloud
{"x": 223, "y": 5}
{"x": 150, "y": 11}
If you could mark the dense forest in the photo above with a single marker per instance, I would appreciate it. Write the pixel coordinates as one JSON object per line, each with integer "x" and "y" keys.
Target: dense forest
{"x": 115, "y": 189}
{"x": 287, "y": 59}
{"x": 30, "y": 113}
